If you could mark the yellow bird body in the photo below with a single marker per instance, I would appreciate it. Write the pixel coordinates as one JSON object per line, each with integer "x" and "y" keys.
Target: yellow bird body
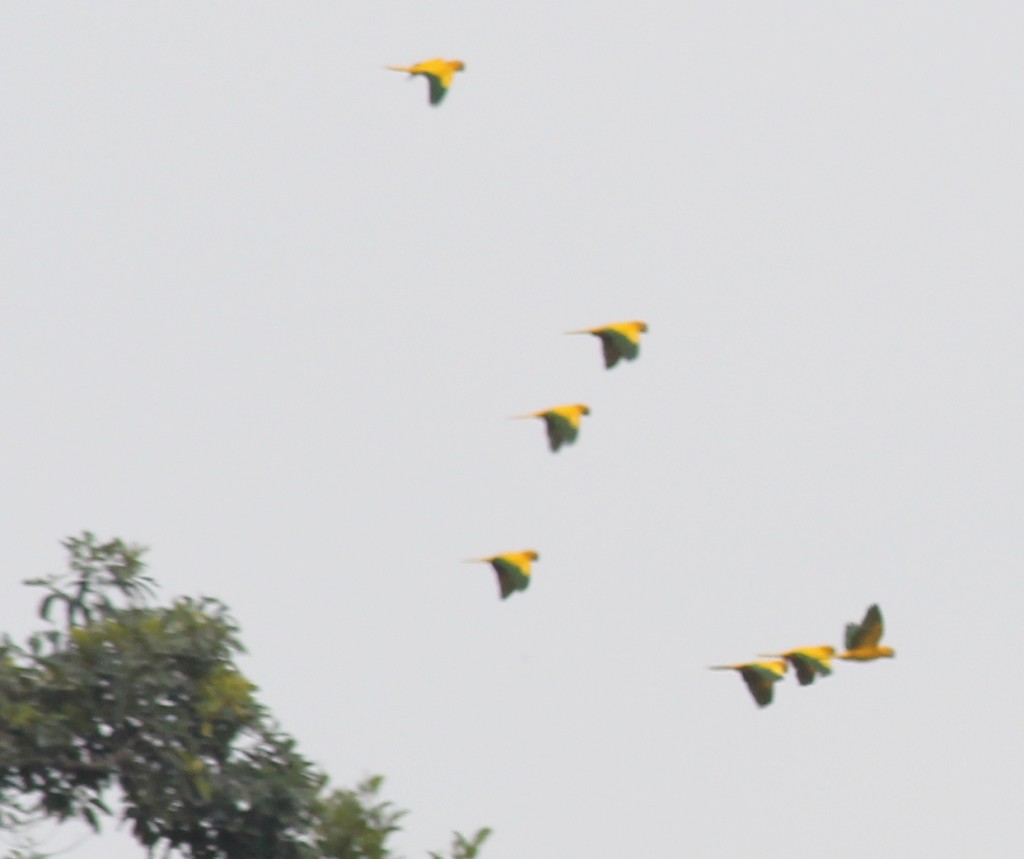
{"x": 862, "y": 640}
{"x": 513, "y": 570}
{"x": 439, "y": 74}
{"x": 809, "y": 662}
{"x": 618, "y": 340}
{"x": 562, "y": 423}
{"x": 760, "y": 677}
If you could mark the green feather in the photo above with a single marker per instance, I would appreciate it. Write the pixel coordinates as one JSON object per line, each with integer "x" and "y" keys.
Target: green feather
{"x": 867, "y": 632}
{"x": 807, "y": 668}
{"x": 617, "y": 345}
{"x": 761, "y": 683}
{"x": 560, "y": 431}
{"x": 437, "y": 89}
{"x": 510, "y": 577}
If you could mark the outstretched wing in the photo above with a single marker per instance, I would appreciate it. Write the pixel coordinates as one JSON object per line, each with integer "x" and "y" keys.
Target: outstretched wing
{"x": 804, "y": 667}
{"x": 610, "y": 348}
{"x": 560, "y": 430}
{"x": 619, "y": 344}
{"x": 438, "y": 88}
{"x": 868, "y": 633}
{"x": 761, "y": 683}
{"x": 807, "y": 667}
{"x": 511, "y": 578}
{"x": 871, "y": 627}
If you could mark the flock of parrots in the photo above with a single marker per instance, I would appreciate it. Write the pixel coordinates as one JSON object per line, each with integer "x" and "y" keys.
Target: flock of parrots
{"x": 862, "y": 645}
{"x": 622, "y": 340}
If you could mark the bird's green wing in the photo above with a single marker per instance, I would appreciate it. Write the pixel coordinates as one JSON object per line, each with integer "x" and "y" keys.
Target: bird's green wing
{"x": 506, "y": 584}
{"x": 511, "y": 578}
{"x": 610, "y": 348}
{"x": 438, "y": 89}
{"x": 804, "y": 667}
{"x": 807, "y": 667}
{"x": 761, "y": 683}
{"x": 823, "y": 668}
{"x": 868, "y": 632}
{"x": 560, "y": 430}
{"x": 871, "y": 627}
{"x": 618, "y": 345}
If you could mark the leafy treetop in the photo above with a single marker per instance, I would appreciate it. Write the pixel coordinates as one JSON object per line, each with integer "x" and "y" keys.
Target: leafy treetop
{"x": 148, "y": 698}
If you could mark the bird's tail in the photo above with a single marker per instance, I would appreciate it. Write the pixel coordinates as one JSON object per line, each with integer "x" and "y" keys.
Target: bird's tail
{"x": 581, "y": 331}
{"x": 399, "y": 69}
{"x": 524, "y": 417}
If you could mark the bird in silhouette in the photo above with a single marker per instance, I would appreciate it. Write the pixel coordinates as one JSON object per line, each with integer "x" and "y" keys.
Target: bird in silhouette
{"x": 808, "y": 662}
{"x": 513, "y": 569}
{"x": 438, "y": 72}
{"x": 862, "y": 639}
{"x": 618, "y": 340}
{"x": 760, "y": 677}
{"x": 562, "y": 422}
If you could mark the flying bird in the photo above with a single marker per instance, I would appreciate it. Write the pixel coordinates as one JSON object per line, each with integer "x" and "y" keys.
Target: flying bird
{"x": 513, "y": 569}
{"x": 760, "y": 677}
{"x": 808, "y": 662}
{"x": 562, "y": 422}
{"x": 862, "y": 639}
{"x": 618, "y": 340}
{"x": 438, "y": 72}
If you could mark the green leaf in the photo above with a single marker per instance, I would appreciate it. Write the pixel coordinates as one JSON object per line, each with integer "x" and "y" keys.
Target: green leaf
{"x": 45, "y": 605}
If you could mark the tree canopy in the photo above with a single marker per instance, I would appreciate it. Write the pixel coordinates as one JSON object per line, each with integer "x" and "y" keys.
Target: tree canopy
{"x": 120, "y": 692}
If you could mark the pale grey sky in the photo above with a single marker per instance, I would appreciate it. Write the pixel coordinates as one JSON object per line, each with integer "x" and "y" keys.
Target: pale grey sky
{"x": 267, "y": 312}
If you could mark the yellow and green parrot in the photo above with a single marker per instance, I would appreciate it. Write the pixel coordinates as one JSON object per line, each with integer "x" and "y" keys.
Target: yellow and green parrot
{"x": 808, "y": 662}
{"x": 760, "y": 677}
{"x": 562, "y": 422}
{"x": 438, "y": 72}
{"x": 862, "y": 639}
{"x": 513, "y": 569}
{"x": 618, "y": 340}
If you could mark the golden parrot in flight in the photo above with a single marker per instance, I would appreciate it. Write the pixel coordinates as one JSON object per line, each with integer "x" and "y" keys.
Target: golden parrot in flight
{"x": 760, "y": 677}
{"x": 562, "y": 422}
{"x": 808, "y": 662}
{"x": 513, "y": 569}
{"x": 618, "y": 340}
{"x": 862, "y": 639}
{"x": 438, "y": 72}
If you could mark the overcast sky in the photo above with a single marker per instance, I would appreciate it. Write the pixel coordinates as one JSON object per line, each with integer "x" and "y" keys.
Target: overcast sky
{"x": 267, "y": 312}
